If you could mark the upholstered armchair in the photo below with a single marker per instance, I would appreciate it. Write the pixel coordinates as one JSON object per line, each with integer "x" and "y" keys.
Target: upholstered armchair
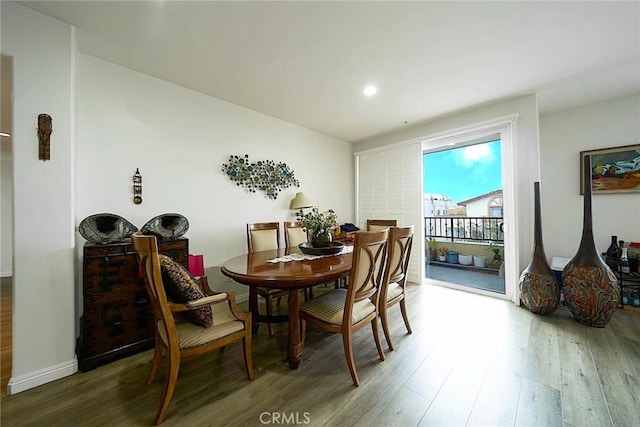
{"x": 212, "y": 320}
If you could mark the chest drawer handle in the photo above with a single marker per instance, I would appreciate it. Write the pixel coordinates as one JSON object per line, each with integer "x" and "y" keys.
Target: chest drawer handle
{"x": 117, "y": 326}
{"x": 142, "y": 298}
{"x": 142, "y": 318}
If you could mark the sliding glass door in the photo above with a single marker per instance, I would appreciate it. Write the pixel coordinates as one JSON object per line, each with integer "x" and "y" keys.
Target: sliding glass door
{"x": 463, "y": 215}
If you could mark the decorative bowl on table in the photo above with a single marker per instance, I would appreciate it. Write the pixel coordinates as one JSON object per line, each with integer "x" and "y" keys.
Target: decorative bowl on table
{"x": 105, "y": 228}
{"x": 332, "y": 249}
{"x": 166, "y": 226}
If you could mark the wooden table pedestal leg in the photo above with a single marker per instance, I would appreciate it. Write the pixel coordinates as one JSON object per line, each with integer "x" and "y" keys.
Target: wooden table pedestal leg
{"x": 294, "y": 345}
{"x": 253, "y": 308}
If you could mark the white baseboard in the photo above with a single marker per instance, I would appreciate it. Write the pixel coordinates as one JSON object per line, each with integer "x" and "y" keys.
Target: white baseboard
{"x": 42, "y": 376}
{"x": 7, "y": 273}
{"x": 242, "y": 297}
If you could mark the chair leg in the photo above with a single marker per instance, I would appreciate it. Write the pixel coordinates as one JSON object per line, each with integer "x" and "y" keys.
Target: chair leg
{"x": 248, "y": 360}
{"x": 376, "y": 336}
{"x": 174, "y": 368}
{"x": 403, "y": 309}
{"x": 157, "y": 355}
{"x": 268, "y": 304}
{"x": 385, "y": 326}
{"x": 348, "y": 352}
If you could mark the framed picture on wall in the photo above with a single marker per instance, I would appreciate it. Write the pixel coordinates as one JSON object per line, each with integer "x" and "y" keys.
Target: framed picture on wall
{"x": 613, "y": 170}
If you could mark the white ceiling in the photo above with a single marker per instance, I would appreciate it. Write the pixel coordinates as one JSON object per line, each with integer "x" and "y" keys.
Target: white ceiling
{"x": 308, "y": 62}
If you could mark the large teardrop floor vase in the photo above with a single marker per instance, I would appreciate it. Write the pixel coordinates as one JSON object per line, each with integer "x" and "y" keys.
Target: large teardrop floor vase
{"x": 590, "y": 287}
{"x": 539, "y": 290}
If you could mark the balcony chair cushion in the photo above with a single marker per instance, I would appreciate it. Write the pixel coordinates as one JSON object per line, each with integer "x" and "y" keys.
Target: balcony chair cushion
{"x": 182, "y": 287}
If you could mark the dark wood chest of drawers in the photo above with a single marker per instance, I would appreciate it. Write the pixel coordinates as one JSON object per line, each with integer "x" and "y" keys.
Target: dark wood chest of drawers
{"x": 117, "y": 319}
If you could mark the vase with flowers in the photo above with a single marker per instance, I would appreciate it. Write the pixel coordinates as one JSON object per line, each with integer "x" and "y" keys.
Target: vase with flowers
{"x": 319, "y": 226}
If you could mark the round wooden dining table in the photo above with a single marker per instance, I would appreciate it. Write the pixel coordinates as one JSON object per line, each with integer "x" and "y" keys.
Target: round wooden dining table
{"x": 253, "y": 270}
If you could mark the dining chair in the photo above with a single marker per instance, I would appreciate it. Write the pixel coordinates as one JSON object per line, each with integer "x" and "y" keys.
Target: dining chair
{"x": 395, "y": 277}
{"x": 263, "y": 236}
{"x": 380, "y": 224}
{"x": 294, "y": 233}
{"x": 345, "y": 311}
{"x": 178, "y": 339}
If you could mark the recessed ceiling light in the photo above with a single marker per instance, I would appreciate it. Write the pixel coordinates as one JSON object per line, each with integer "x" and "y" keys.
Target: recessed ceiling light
{"x": 370, "y": 90}
{"x": 5, "y": 134}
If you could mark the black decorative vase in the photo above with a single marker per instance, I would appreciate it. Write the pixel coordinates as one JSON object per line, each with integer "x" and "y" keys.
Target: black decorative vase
{"x": 321, "y": 239}
{"x": 590, "y": 287}
{"x": 539, "y": 290}
{"x": 612, "y": 253}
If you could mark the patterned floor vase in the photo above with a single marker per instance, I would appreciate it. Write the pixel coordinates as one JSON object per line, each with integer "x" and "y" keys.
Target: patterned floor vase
{"x": 539, "y": 293}
{"x": 539, "y": 290}
{"x": 590, "y": 287}
{"x": 591, "y": 293}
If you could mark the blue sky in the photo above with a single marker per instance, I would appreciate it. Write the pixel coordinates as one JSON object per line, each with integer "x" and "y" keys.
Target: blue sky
{"x": 465, "y": 172}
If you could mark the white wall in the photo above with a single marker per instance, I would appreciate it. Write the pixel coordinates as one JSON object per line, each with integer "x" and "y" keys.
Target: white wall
{"x": 562, "y": 136}
{"x": 179, "y": 140}
{"x": 478, "y": 207}
{"x": 43, "y": 246}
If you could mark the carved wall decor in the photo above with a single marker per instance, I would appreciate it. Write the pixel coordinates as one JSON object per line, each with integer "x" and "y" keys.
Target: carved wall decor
{"x": 137, "y": 187}
{"x": 263, "y": 175}
{"x": 44, "y": 136}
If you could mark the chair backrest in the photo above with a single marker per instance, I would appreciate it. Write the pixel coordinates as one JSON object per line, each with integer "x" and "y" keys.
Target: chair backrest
{"x": 262, "y": 236}
{"x": 380, "y": 224}
{"x": 367, "y": 267}
{"x": 146, "y": 247}
{"x": 294, "y": 233}
{"x": 399, "y": 251}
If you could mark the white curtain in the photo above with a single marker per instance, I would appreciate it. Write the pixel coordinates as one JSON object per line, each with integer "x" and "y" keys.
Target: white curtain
{"x": 389, "y": 186}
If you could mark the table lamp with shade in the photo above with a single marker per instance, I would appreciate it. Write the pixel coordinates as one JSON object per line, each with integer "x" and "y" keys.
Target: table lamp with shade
{"x": 300, "y": 201}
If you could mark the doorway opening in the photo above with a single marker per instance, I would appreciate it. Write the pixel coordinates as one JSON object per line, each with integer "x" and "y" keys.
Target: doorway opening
{"x": 6, "y": 220}
{"x": 464, "y": 215}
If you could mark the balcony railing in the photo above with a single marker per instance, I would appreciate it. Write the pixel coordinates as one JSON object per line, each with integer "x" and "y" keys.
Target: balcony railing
{"x": 479, "y": 229}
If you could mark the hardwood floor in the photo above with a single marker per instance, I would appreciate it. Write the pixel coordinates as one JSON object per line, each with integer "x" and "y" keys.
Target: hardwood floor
{"x": 472, "y": 360}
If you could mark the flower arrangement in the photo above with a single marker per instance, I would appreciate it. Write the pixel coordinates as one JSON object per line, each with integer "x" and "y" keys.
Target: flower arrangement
{"x": 316, "y": 222}
{"x": 443, "y": 250}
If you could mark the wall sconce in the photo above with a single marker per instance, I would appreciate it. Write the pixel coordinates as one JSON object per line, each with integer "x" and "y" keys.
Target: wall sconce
{"x": 300, "y": 201}
{"x": 137, "y": 187}
{"x": 44, "y": 136}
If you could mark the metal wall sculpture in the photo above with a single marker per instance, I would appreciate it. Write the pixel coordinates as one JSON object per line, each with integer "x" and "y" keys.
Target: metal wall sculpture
{"x": 263, "y": 175}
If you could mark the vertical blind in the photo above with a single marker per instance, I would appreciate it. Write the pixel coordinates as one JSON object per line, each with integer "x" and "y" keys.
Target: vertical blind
{"x": 389, "y": 186}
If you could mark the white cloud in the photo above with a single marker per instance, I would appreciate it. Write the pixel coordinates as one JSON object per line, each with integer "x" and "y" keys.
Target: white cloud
{"x": 474, "y": 155}
{"x": 476, "y": 152}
